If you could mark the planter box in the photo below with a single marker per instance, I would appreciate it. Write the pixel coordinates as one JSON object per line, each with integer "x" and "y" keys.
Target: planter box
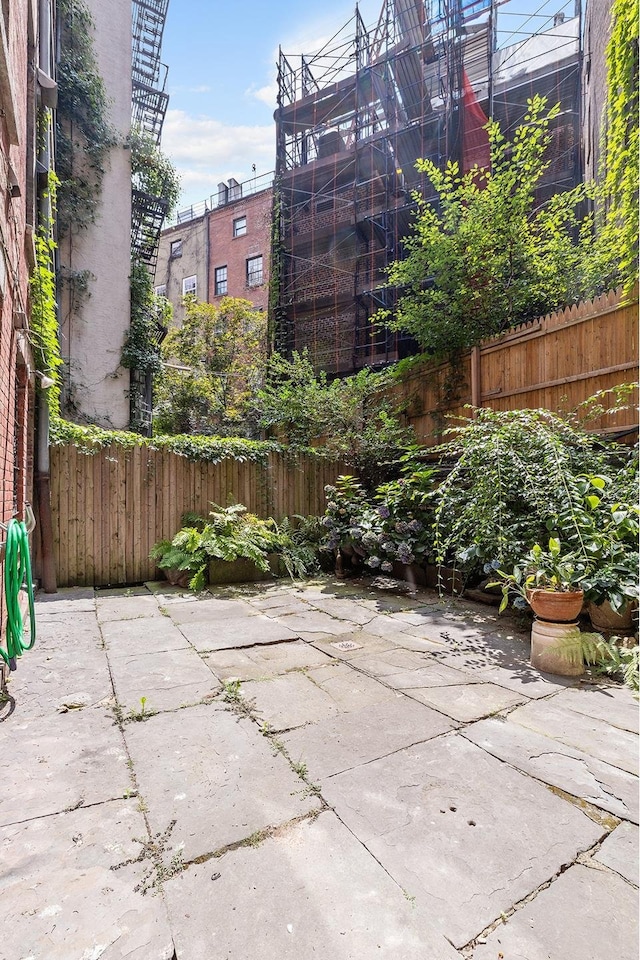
{"x": 411, "y": 572}
{"x": 451, "y": 581}
{"x": 241, "y": 571}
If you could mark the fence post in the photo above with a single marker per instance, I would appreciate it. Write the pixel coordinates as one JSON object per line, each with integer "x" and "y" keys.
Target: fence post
{"x": 476, "y": 378}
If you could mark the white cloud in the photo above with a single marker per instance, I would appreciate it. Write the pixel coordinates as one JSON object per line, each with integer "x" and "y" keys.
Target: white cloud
{"x": 206, "y": 151}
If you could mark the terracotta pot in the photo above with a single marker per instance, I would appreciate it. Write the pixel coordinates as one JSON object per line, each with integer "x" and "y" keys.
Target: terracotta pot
{"x": 604, "y": 618}
{"x": 178, "y": 578}
{"x": 554, "y": 606}
{"x": 553, "y": 649}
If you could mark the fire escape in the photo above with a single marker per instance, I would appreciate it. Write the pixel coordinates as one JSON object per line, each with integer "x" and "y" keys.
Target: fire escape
{"x": 148, "y": 107}
{"x": 149, "y": 101}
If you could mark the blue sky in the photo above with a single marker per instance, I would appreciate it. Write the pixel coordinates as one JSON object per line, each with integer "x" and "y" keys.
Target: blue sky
{"x": 222, "y": 76}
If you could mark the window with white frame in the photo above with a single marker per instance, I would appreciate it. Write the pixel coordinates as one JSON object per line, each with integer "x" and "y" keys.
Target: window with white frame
{"x": 239, "y": 226}
{"x": 175, "y": 249}
{"x": 220, "y": 281}
{"x": 161, "y": 291}
{"x": 189, "y": 286}
{"x": 254, "y": 271}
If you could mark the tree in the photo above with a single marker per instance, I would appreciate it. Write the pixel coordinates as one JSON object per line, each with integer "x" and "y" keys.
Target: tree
{"x": 349, "y": 417}
{"x": 211, "y": 366}
{"x": 489, "y": 258}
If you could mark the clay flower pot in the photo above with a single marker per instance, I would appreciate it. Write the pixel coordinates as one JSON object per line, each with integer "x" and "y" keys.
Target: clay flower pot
{"x": 555, "y": 606}
{"x": 604, "y": 618}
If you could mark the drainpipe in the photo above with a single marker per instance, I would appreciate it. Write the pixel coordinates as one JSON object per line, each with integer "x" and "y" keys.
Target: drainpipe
{"x": 43, "y": 488}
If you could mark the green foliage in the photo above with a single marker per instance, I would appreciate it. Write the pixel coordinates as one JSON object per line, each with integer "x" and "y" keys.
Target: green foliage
{"x": 44, "y": 320}
{"x": 84, "y": 134}
{"x": 89, "y": 440}
{"x": 223, "y": 348}
{"x": 350, "y": 416}
{"x": 490, "y": 258}
{"x": 230, "y": 534}
{"x": 622, "y": 140}
{"x": 516, "y": 477}
{"x": 150, "y": 316}
{"x": 612, "y": 657}
{"x": 151, "y": 170}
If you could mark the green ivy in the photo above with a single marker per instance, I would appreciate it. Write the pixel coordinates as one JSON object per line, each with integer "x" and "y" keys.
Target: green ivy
{"x": 151, "y": 171}
{"x": 622, "y": 140}
{"x": 84, "y": 131}
{"x": 44, "y": 320}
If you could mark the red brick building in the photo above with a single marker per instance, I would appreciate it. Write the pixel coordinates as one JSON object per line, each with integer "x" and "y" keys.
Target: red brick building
{"x": 220, "y": 248}
{"x": 25, "y": 55}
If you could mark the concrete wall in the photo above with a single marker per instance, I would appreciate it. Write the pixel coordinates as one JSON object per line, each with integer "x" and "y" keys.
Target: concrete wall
{"x": 208, "y": 242}
{"x": 93, "y": 330}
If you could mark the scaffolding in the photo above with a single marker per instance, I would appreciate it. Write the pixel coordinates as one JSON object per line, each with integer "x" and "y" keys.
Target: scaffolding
{"x": 351, "y": 122}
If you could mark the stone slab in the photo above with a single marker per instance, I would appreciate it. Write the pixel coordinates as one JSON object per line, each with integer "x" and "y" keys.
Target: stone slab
{"x": 167, "y": 680}
{"x": 215, "y": 776}
{"x": 280, "y": 606}
{"x": 467, "y": 702}
{"x": 340, "y": 743}
{"x": 54, "y": 765}
{"x": 343, "y": 609}
{"x": 238, "y": 632}
{"x": 595, "y": 737}
{"x": 614, "y": 704}
{"x": 434, "y": 674}
{"x": 66, "y": 600}
{"x": 61, "y": 899}
{"x": 585, "y": 914}
{"x": 559, "y": 765}
{"x": 387, "y": 663}
{"x": 348, "y": 688}
{"x": 351, "y": 645}
{"x": 620, "y": 852}
{"x": 127, "y": 607}
{"x": 387, "y": 626}
{"x": 259, "y": 663}
{"x": 51, "y": 681}
{"x": 289, "y": 701}
{"x": 64, "y": 630}
{"x": 143, "y": 635}
{"x": 309, "y": 891}
{"x": 210, "y": 611}
{"x": 315, "y": 621}
{"x": 464, "y": 833}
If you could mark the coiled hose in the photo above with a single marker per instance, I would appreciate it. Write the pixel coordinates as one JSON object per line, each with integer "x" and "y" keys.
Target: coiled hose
{"x": 17, "y": 573}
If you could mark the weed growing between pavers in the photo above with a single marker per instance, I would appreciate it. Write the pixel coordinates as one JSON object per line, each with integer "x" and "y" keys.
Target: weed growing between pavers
{"x": 152, "y": 853}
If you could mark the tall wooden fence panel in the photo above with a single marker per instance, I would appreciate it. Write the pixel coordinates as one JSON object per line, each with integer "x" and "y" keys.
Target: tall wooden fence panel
{"x": 111, "y": 507}
{"x": 555, "y": 362}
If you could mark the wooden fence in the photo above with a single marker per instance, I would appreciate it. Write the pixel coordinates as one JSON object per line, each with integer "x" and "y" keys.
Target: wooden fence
{"x": 110, "y": 508}
{"x": 554, "y": 362}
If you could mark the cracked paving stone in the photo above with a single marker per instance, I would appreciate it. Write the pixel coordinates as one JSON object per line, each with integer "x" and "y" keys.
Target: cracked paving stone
{"x": 433, "y": 674}
{"x": 240, "y": 631}
{"x": 167, "y": 680}
{"x": 585, "y": 914}
{"x": 315, "y": 621}
{"x": 467, "y": 702}
{"x": 469, "y": 834}
{"x": 559, "y": 765}
{"x": 616, "y": 705}
{"x": 259, "y": 663}
{"x": 340, "y": 743}
{"x": 590, "y": 735}
{"x": 143, "y": 635}
{"x": 387, "y": 663}
{"x": 343, "y": 609}
{"x": 212, "y": 772}
{"x": 620, "y": 852}
{"x": 61, "y": 899}
{"x": 59, "y": 763}
{"x": 310, "y": 891}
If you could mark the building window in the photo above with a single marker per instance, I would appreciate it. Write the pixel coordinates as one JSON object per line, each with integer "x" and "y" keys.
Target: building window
{"x": 254, "y": 271}
{"x": 175, "y": 250}
{"x": 161, "y": 291}
{"x": 189, "y": 286}
{"x": 221, "y": 281}
{"x": 240, "y": 226}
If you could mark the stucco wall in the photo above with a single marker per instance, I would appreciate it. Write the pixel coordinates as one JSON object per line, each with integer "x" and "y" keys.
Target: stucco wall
{"x": 192, "y": 262}
{"x": 93, "y": 331}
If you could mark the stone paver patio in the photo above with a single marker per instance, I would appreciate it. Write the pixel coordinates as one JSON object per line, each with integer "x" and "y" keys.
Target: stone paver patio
{"x": 330, "y": 770}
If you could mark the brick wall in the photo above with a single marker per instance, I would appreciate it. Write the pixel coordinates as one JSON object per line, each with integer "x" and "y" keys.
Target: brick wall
{"x": 233, "y": 252}
{"x": 17, "y": 108}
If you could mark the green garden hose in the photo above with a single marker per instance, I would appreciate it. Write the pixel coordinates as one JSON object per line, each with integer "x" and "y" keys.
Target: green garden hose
{"x": 17, "y": 573}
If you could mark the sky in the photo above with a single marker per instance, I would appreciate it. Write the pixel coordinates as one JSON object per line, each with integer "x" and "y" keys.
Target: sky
{"x": 222, "y": 76}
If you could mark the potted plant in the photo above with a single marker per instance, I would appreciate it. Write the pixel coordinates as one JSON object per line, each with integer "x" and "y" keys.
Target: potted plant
{"x": 611, "y": 592}
{"x": 179, "y": 561}
{"x": 550, "y": 581}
